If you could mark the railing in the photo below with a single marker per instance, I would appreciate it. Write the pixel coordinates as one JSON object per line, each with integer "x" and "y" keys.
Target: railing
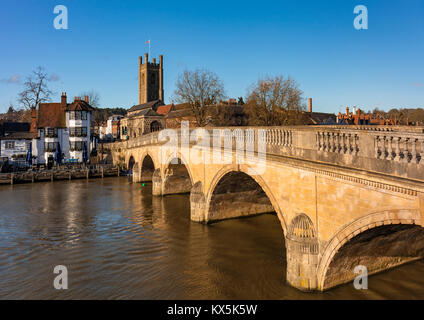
{"x": 392, "y": 150}
{"x": 405, "y": 148}
{"x": 344, "y": 143}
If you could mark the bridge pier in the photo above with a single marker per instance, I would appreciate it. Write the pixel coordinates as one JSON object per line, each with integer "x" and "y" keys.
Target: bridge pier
{"x": 136, "y": 174}
{"x": 302, "y": 263}
{"x": 197, "y": 204}
{"x": 302, "y": 254}
{"x": 157, "y": 183}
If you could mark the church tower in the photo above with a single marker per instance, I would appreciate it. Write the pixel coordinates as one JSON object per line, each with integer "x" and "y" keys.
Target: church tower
{"x": 150, "y": 79}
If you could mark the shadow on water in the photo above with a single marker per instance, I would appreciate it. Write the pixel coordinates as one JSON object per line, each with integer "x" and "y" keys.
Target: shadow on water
{"x": 120, "y": 242}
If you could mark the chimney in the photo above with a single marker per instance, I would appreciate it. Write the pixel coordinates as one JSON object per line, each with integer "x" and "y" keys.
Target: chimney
{"x": 310, "y": 105}
{"x": 77, "y": 98}
{"x": 86, "y": 99}
{"x": 63, "y": 100}
{"x": 347, "y": 110}
{"x": 33, "y": 128}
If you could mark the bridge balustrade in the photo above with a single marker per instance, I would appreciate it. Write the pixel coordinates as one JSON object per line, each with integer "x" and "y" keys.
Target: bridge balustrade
{"x": 390, "y": 150}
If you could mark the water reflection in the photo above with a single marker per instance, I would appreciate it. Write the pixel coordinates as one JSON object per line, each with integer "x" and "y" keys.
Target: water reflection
{"x": 119, "y": 242}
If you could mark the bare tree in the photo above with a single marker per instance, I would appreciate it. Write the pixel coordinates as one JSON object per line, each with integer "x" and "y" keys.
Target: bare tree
{"x": 35, "y": 89}
{"x": 221, "y": 115}
{"x": 200, "y": 89}
{"x": 93, "y": 98}
{"x": 275, "y": 101}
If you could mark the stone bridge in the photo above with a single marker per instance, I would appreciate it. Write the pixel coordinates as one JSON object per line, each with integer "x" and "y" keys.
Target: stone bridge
{"x": 345, "y": 196}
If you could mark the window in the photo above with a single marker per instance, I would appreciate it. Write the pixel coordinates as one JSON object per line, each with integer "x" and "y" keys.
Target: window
{"x": 51, "y": 132}
{"x": 78, "y": 132}
{"x": 77, "y": 115}
{"x": 76, "y": 145}
{"x": 155, "y": 126}
{"x": 50, "y": 146}
{"x": 10, "y": 145}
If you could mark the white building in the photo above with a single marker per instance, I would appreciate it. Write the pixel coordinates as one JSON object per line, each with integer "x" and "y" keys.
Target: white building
{"x": 15, "y": 146}
{"x": 65, "y": 127}
{"x": 113, "y": 123}
{"x": 15, "y": 138}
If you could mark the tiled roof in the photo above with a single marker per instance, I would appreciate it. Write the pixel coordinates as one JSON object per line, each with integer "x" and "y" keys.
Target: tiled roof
{"x": 148, "y": 105}
{"x": 321, "y": 117}
{"x": 182, "y": 106}
{"x": 18, "y": 136}
{"x": 79, "y": 105}
{"x": 146, "y": 113}
{"x": 180, "y": 113}
{"x": 51, "y": 115}
{"x": 164, "y": 110}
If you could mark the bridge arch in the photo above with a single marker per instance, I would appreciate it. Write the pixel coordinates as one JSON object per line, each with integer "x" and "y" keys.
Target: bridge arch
{"x": 147, "y": 167}
{"x": 243, "y": 172}
{"x": 130, "y": 163}
{"x": 381, "y": 223}
{"x": 177, "y": 176}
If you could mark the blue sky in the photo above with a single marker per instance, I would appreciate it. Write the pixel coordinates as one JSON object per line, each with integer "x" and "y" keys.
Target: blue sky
{"x": 313, "y": 41}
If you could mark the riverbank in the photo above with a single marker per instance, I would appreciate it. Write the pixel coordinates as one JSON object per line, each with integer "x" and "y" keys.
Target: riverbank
{"x": 60, "y": 173}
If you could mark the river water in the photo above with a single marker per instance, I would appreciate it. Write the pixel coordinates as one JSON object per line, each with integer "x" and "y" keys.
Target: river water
{"x": 119, "y": 242}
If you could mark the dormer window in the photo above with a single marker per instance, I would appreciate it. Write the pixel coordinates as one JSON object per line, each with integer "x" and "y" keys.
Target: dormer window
{"x": 78, "y": 115}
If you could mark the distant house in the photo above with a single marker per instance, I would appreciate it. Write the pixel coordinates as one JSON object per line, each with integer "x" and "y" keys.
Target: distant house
{"x": 101, "y": 130}
{"x": 318, "y": 118}
{"x": 15, "y": 138}
{"x": 357, "y": 117}
{"x": 113, "y": 126}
